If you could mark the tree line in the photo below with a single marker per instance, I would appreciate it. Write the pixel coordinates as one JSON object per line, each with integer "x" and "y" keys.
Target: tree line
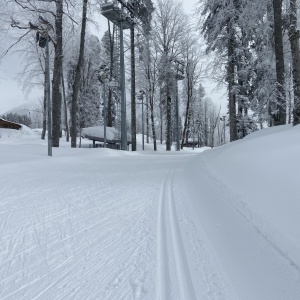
{"x": 16, "y": 118}
{"x": 254, "y": 46}
{"x": 258, "y": 43}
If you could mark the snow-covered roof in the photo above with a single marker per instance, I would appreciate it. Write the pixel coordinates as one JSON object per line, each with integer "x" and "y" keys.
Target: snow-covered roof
{"x": 98, "y": 132}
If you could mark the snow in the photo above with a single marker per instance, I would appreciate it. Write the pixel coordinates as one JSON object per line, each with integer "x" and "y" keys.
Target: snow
{"x": 107, "y": 224}
{"x": 265, "y": 183}
{"x": 98, "y": 131}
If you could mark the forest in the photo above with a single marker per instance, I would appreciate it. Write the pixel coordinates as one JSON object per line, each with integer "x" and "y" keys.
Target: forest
{"x": 249, "y": 47}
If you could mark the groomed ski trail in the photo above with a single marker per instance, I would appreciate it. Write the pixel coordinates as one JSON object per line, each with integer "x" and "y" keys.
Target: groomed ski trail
{"x": 170, "y": 248}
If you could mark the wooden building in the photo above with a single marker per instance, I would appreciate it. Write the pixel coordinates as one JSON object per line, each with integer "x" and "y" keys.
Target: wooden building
{"x": 9, "y": 125}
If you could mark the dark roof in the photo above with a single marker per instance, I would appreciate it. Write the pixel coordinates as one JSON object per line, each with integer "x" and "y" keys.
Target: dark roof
{"x": 11, "y": 125}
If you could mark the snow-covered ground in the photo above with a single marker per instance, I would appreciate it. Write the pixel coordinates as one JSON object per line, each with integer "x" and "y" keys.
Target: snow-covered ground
{"x": 107, "y": 224}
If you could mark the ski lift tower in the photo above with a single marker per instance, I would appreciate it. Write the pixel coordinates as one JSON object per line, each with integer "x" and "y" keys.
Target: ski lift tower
{"x": 114, "y": 12}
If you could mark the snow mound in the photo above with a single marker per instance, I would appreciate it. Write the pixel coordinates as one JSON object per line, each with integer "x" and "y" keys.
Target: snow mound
{"x": 262, "y": 172}
{"x": 267, "y": 131}
{"x": 7, "y": 134}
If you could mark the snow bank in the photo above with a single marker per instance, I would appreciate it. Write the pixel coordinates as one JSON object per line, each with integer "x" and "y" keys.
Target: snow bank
{"x": 262, "y": 172}
{"x": 11, "y": 135}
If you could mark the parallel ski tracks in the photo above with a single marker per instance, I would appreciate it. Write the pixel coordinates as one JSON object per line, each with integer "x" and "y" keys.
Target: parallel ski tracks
{"x": 170, "y": 248}
{"x": 49, "y": 248}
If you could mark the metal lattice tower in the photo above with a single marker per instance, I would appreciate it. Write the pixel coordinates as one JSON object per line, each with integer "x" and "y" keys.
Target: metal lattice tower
{"x": 122, "y": 15}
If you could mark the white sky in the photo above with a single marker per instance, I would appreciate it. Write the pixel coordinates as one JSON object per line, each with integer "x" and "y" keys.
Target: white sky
{"x": 11, "y": 94}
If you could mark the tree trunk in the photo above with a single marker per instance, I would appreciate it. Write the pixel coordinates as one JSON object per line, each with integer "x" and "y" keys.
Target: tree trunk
{"x": 65, "y": 106}
{"x": 151, "y": 89}
{"x": 169, "y": 120}
{"x": 214, "y": 125}
{"x": 133, "y": 104}
{"x": 161, "y": 116}
{"x": 231, "y": 93}
{"x": 294, "y": 40}
{"x": 147, "y": 118}
{"x": 56, "y": 93}
{"x": 76, "y": 83}
{"x": 151, "y": 102}
{"x": 44, "y": 108}
{"x": 280, "y": 114}
{"x": 205, "y": 124}
{"x": 187, "y": 111}
{"x": 185, "y": 126}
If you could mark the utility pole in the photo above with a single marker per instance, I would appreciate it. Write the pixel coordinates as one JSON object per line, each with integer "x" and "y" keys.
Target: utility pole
{"x": 123, "y": 92}
{"x": 141, "y": 98}
{"x": 177, "y": 119}
{"x": 104, "y": 111}
{"x": 143, "y": 121}
{"x": 102, "y": 76}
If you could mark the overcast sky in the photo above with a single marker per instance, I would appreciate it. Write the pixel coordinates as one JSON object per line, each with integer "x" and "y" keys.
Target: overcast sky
{"x": 11, "y": 94}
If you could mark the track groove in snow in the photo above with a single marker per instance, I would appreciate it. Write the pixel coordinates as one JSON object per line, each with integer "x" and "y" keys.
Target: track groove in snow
{"x": 169, "y": 244}
{"x": 253, "y": 267}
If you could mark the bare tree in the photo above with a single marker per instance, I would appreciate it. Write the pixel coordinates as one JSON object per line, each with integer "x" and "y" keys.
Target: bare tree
{"x": 142, "y": 10}
{"x": 169, "y": 28}
{"x": 65, "y": 109}
{"x": 192, "y": 75}
{"x": 147, "y": 69}
{"x": 214, "y": 123}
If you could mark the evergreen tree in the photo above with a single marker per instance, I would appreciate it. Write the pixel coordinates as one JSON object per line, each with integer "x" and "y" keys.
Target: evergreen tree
{"x": 89, "y": 96}
{"x": 280, "y": 105}
{"x": 294, "y": 40}
{"x": 110, "y": 57}
{"x": 88, "y": 113}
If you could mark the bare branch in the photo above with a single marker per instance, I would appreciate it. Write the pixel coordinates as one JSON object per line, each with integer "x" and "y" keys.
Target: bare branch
{"x": 19, "y": 40}
{"x": 33, "y": 8}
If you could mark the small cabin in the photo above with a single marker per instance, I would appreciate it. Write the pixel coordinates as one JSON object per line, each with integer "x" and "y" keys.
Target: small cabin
{"x": 9, "y": 125}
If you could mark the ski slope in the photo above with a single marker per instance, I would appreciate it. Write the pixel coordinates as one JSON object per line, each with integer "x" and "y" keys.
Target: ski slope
{"x": 106, "y": 224}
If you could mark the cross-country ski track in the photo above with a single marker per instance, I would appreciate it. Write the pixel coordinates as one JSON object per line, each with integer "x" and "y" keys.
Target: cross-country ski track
{"x": 168, "y": 229}
{"x": 105, "y": 224}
